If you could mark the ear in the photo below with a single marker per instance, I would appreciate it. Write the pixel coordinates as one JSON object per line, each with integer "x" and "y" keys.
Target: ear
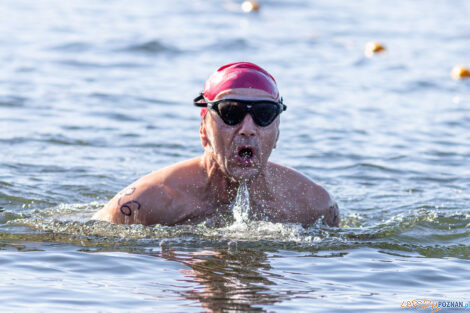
{"x": 203, "y": 134}
{"x": 277, "y": 136}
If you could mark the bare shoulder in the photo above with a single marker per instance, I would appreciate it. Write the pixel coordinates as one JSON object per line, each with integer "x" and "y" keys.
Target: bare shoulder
{"x": 312, "y": 199}
{"x": 136, "y": 203}
{"x": 301, "y": 186}
{"x": 148, "y": 200}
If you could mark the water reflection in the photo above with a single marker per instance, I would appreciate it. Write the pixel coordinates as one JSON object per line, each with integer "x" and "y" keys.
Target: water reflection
{"x": 233, "y": 279}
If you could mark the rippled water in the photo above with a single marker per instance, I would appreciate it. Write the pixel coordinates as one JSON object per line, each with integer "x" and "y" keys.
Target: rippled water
{"x": 94, "y": 95}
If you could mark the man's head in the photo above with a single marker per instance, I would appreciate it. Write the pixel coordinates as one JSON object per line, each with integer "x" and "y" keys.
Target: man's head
{"x": 240, "y": 119}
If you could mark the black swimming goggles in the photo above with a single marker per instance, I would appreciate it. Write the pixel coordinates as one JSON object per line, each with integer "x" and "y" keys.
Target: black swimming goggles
{"x": 233, "y": 111}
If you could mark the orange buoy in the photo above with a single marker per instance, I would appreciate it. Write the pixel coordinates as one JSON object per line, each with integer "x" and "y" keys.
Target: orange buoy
{"x": 372, "y": 48}
{"x": 460, "y": 72}
{"x": 250, "y": 6}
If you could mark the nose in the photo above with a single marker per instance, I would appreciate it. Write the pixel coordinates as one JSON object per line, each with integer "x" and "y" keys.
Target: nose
{"x": 247, "y": 127}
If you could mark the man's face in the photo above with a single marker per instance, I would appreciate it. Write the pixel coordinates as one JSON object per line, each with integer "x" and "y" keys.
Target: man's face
{"x": 242, "y": 150}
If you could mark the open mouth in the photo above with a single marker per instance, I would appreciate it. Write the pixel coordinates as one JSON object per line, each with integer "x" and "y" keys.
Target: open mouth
{"x": 245, "y": 153}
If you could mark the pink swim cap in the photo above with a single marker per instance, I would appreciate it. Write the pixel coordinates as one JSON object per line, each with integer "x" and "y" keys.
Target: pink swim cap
{"x": 240, "y": 80}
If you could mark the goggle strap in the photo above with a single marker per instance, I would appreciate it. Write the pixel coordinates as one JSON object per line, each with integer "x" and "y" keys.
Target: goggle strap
{"x": 197, "y": 101}
{"x": 200, "y": 101}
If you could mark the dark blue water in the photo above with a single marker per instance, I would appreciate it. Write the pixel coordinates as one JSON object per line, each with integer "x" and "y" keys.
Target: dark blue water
{"x": 94, "y": 95}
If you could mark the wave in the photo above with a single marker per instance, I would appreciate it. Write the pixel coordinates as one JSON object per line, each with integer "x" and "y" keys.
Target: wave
{"x": 150, "y": 47}
{"x": 12, "y": 101}
{"x": 73, "y": 47}
{"x": 235, "y": 44}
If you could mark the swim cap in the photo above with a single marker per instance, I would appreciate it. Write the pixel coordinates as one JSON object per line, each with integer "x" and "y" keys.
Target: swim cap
{"x": 242, "y": 81}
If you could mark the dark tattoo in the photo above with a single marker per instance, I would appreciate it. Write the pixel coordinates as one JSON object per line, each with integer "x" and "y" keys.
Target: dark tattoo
{"x": 130, "y": 206}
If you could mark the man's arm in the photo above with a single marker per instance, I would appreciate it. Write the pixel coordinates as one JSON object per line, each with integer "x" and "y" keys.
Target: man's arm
{"x": 322, "y": 204}
{"x": 124, "y": 208}
{"x": 313, "y": 200}
{"x": 140, "y": 203}
{"x": 156, "y": 198}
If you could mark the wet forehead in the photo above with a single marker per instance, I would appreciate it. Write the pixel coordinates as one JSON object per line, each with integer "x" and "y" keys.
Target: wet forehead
{"x": 245, "y": 94}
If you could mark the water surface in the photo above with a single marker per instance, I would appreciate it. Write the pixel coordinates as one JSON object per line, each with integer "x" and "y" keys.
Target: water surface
{"x": 94, "y": 95}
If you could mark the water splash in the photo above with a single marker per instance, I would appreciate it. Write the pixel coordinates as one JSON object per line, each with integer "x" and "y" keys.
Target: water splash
{"x": 243, "y": 228}
{"x": 430, "y": 232}
{"x": 241, "y": 205}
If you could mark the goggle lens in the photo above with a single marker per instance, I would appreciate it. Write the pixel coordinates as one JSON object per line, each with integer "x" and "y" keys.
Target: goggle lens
{"x": 265, "y": 113}
{"x": 231, "y": 112}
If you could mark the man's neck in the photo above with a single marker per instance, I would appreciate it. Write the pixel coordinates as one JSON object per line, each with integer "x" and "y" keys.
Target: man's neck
{"x": 222, "y": 189}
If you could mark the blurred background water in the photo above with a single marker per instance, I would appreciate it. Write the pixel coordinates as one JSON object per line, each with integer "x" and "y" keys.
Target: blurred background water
{"x": 95, "y": 94}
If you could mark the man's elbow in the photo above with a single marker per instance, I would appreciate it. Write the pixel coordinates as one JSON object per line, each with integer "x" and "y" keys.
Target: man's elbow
{"x": 107, "y": 214}
{"x": 99, "y": 216}
{"x": 124, "y": 213}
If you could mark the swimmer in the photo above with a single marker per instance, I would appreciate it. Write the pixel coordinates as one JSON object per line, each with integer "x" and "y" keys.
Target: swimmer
{"x": 240, "y": 116}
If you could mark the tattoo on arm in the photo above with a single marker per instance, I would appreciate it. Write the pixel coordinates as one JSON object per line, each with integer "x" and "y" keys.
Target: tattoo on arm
{"x": 130, "y": 206}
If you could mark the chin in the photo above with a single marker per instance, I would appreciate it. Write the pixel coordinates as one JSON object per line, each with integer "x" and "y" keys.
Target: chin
{"x": 244, "y": 174}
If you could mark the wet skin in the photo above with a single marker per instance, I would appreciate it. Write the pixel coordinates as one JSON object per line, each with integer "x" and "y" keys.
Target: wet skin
{"x": 200, "y": 188}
